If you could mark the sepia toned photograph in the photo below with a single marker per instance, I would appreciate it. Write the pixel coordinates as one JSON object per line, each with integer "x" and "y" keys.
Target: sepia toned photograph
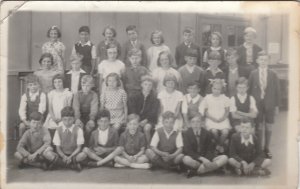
{"x": 149, "y": 94}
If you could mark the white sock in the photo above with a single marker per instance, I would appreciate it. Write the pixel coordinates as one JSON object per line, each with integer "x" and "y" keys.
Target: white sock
{"x": 118, "y": 165}
{"x": 140, "y": 165}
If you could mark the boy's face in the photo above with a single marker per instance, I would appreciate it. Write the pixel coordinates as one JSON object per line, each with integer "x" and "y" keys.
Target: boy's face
{"x": 242, "y": 89}
{"x": 147, "y": 86}
{"x": 168, "y": 124}
{"x": 103, "y": 123}
{"x": 111, "y": 82}
{"x": 84, "y": 37}
{"x": 249, "y": 37}
{"x": 86, "y": 87}
{"x": 112, "y": 53}
{"x": 135, "y": 60}
{"x": 191, "y": 61}
{"x": 58, "y": 84}
{"x": 35, "y": 125}
{"x": 68, "y": 121}
{"x": 196, "y": 123}
{"x": 76, "y": 64}
{"x": 164, "y": 60}
{"x": 216, "y": 90}
{"x": 132, "y": 35}
{"x": 46, "y": 63}
{"x": 263, "y": 61}
{"x": 193, "y": 90}
{"x": 231, "y": 59}
{"x": 215, "y": 41}
{"x": 170, "y": 85}
{"x": 156, "y": 39}
{"x": 187, "y": 37}
{"x": 53, "y": 35}
{"x": 108, "y": 34}
{"x": 33, "y": 87}
{"x": 246, "y": 129}
{"x": 213, "y": 64}
{"x": 133, "y": 126}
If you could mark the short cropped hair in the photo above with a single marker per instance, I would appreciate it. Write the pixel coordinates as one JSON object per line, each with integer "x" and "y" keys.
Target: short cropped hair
{"x": 87, "y": 79}
{"x": 58, "y": 76}
{"x": 37, "y": 116}
{"x": 168, "y": 115}
{"x": 116, "y": 76}
{"x": 197, "y": 114}
{"x": 112, "y": 29}
{"x": 84, "y": 29}
{"x": 219, "y": 82}
{"x": 67, "y": 111}
{"x": 250, "y": 30}
{"x": 134, "y": 52}
{"x": 170, "y": 77}
{"x": 188, "y": 30}
{"x": 218, "y": 34}
{"x": 214, "y": 55}
{"x": 131, "y": 28}
{"x": 147, "y": 78}
{"x": 133, "y": 117}
{"x": 262, "y": 53}
{"x": 232, "y": 52}
{"x": 103, "y": 113}
{"x": 54, "y": 28}
{"x": 31, "y": 78}
{"x": 162, "y": 40}
{"x": 191, "y": 53}
{"x": 193, "y": 83}
{"x": 112, "y": 46}
{"x": 76, "y": 57}
{"x": 169, "y": 57}
{"x": 242, "y": 81}
{"x": 46, "y": 55}
{"x": 247, "y": 120}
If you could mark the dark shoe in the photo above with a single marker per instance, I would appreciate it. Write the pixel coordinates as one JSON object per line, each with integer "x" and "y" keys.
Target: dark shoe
{"x": 22, "y": 165}
{"x": 190, "y": 173}
{"x": 92, "y": 164}
{"x": 44, "y": 165}
{"x": 77, "y": 167}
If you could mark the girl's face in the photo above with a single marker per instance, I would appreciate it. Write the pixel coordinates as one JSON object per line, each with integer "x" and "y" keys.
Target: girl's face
{"x": 215, "y": 41}
{"x": 170, "y": 85}
{"x": 213, "y": 64}
{"x": 187, "y": 37}
{"x": 249, "y": 37}
{"x": 132, "y": 35}
{"x": 164, "y": 60}
{"x": 191, "y": 61}
{"x": 216, "y": 89}
{"x": 112, "y": 82}
{"x": 33, "y": 87}
{"x": 76, "y": 65}
{"x": 53, "y": 35}
{"x": 168, "y": 124}
{"x": 242, "y": 89}
{"x": 103, "y": 123}
{"x": 147, "y": 86}
{"x": 58, "y": 84}
{"x": 156, "y": 39}
{"x": 84, "y": 37}
{"x": 193, "y": 90}
{"x": 112, "y": 54}
{"x": 46, "y": 63}
{"x": 133, "y": 126}
{"x": 108, "y": 34}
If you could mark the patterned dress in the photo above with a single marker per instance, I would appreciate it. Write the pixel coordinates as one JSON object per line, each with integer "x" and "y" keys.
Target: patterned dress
{"x": 57, "y": 49}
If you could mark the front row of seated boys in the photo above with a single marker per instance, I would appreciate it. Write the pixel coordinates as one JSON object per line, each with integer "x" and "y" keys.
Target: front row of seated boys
{"x": 193, "y": 150}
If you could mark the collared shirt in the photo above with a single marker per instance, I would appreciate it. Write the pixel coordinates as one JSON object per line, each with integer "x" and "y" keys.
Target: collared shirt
{"x": 247, "y": 141}
{"x": 234, "y": 70}
{"x": 103, "y": 136}
{"x": 56, "y": 138}
{"x": 33, "y": 96}
{"x": 188, "y": 44}
{"x": 93, "y": 51}
{"x": 155, "y": 139}
{"x": 186, "y": 100}
{"x": 242, "y": 99}
{"x": 132, "y": 143}
{"x": 75, "y": 79}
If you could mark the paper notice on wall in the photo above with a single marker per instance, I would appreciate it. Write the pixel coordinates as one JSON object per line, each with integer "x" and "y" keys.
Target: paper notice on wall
{"x": 274, "y": 48}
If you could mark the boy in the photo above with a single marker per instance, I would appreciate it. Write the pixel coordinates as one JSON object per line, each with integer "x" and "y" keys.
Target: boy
{"x": 86, "y": 49}
{"x": 146, "y": 105}
{"x": 73, "y": 77}
{"x": 264, "y": 87}
{"x": 213, "y": 72}
{"x": 103, "y": 144}
{"x": 190, "y": 72}
{"x": 166, "y": 144}
{"x": 68, "y": 139}
{"x": 134, "y": 72}
{"x": 245, "y": 152}
{"x": 34, "y": 144}
{"x": 33, "y": 100}
{"x": 133, "y": 144}
{"x": 85, "y": 104}
{"x": 191, "y": 103}
{"x": 199, "y": 149}
{"x": 133, "y": 43}
{"x": 242, "y": 105}
{"x": 188, "y": 35}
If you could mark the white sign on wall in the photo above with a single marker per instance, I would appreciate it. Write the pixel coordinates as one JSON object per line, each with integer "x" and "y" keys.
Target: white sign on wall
{"x": 273, "y": 48}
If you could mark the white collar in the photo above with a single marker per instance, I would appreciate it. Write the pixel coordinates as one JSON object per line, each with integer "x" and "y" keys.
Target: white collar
{"x": 188, "y": 44}
{"x": 233, "y": 70}
{"x": 218, "y": 69}
{"x": 215, "y": 48}
{"x": 80, "y": 71}
{"x": 87, "y": 43}
{"x": 189, "y": 98}
{"x": 101, "y": 131}
{"x": 241, "y": 97}
{"x": 64, "y": 127}
{"x": 247, "y": 141}
{"x": 169, "y": 134}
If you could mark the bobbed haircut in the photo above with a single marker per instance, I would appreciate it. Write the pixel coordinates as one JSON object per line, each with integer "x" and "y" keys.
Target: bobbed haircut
{"x": 218, "y": 34}
{"x": 56, "y": 29}
{"x": 169, "y": 57}
{"x": 112, "y": 29}
{"x": 170, "y": 77}
{"x": 46, "y": 55}
{"x": 116, "y": 76}
{"x": 158, "y": 32}
{"x": 67, "y": 111}
{"x": 58, "y": 76}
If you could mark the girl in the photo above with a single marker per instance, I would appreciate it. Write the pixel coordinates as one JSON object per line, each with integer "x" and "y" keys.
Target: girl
{"x": 58, "y": 98}
{"x": 46, "y": 73}
{"x": 114, "y": 99}
{"x": 109, "y": 34}
{"x": 170, "y": 100}
{"x": 111, "y": 65}
{"x": 157, "y": 40}
{"x": 56, "y": 48}
{"x": 215, "y": 108}
{"x": 164, "y": 62}
{"x": 216, "y": 42}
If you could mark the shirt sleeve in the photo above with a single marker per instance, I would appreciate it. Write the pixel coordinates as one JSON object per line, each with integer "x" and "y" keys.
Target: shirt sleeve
{"x": 69, "y": 98}
{"x": 232, "y": 105}
{"x": 184, "y": 107}
{"x": 80, "y": 138}
{"x": 42, "y": 105}
{"x": 94, "y": 54}
{"x": 155, "y": 140}
{"x": 253, "y": 104}
{"x": 94, "y": 107}
{"x": 22, "y": 108}
{"x": 179, "y": 141}
{"x": 56, "y": 139}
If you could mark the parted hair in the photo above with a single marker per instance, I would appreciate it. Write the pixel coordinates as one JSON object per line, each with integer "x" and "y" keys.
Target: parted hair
{"x": 67, "y": 111}
{"x": 112, "y": 29}
{"x": 37, "y": 116}
{"x": 46, "y": 55}
{"x": 56, "y": 29}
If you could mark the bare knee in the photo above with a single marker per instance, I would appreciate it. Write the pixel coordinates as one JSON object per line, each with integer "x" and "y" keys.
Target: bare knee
{"x": 186, "y": 159}
{"x": 86, "y": 150}
{"x": 18, "y": 155}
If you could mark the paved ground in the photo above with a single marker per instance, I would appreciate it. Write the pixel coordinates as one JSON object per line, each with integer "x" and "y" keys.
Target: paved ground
{"x": 126, "y": 175}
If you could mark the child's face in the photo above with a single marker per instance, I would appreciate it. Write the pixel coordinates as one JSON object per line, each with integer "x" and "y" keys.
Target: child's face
{"x": 164, "y": 60}
{"x": 84, "y": 37}
{"x": 132, "y": 35}
{"x": 170, "y": 85}
{"x": 231, "y": 59}
{"x": 193, "y": 90}
{"x": 156, "y": 39}
{"x": 112, "y": 82}
{"x": 35, "y": 125}
{"x": 216, "y": 89}
{"x": 135, "y": 60}
{"x": 133, "y": 126}
{"x": 103, "y": 123}
{"x": 68, "y": 121}
{"x": 33, "y": 87}
{"x": 108, "y": 34}
{"x": 213, "y": 64}
{"x": 86, "y": 87}
{"x": 112, "y": 53}
{"x": 187, "y": 37}
{"x": 249, "y": 37}
{"x": 215, "y": 41}
{"x": 53, "y": 35}
{"x": 58, "y": 84}
{"x": 147, "y": 86}
{"x": 191, "y": 61}
{"x": 196, "y": 123}
{"x": 263, "y": 61}
{"x": 76, "y": 64}
{"x": 242, "y": 89}
{"x": 168, "y": 124}
{"x": 246, "y": 129}
{"x": 46, "y": 63}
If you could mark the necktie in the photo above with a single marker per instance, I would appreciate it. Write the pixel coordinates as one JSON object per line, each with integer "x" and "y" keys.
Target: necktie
{"x": 68, "y": 135}
{"x": 262, "y": 83}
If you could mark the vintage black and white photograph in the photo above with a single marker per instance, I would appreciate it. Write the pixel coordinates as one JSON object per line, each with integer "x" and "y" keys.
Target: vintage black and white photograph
{"x": 108, "y": 93}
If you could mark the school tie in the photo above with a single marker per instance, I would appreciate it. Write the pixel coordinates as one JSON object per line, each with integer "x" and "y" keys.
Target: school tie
{"x": 68, "y": 135}
{"x": 262, "y": 83}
